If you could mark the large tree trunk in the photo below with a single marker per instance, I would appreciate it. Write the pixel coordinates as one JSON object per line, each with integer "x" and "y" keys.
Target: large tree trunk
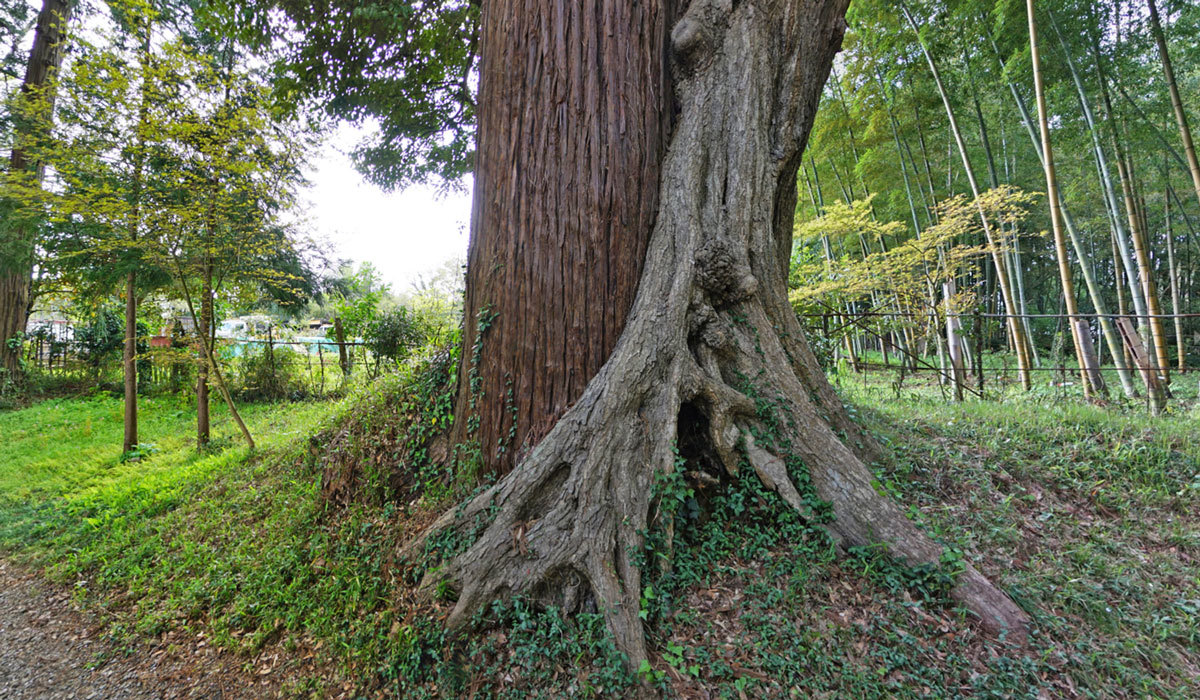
{"x": 711, "y": 346}
{"x": 562, "y": 213}
{"x": 574, "y": 117}
{"x": 16, "y": 272}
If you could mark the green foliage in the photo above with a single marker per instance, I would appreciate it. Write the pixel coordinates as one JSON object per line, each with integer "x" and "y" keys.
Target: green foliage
{"x": 408, "y": 67}
{"x": 394, "y": 334}
{"x": 516, "y": 650}
{"x": 1085, "y": 514}
{"x": 139, "y": 452}
{"x": 357, "y": 296}
{"x": 381, "y": 452}
{"x": 266, "y": 373}
{"x": 931, "y": 583}
{"x": 100, "y": 337}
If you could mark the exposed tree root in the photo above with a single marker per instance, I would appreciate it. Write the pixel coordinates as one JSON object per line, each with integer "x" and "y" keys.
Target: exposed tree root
{"x": 711, "y": 336}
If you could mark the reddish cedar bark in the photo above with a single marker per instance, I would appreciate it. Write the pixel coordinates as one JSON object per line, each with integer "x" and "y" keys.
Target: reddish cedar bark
{"x": 574, "y": 116}
{"x": 16, "y": 273}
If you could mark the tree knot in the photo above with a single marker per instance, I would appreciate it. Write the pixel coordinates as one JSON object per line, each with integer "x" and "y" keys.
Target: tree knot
{"x": 724, "y": 278}
{"x": 707, "y": 327}
{"x": 696, "y": 36}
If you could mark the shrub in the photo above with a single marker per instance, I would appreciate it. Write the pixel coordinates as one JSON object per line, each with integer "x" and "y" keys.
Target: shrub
{"x": 393, "y": 335}
{"x": 100, "y": 337}
{"x": 270, "y": 373}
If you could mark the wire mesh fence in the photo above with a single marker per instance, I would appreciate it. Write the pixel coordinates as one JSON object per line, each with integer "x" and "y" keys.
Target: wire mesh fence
{"x": 912, "y": 343}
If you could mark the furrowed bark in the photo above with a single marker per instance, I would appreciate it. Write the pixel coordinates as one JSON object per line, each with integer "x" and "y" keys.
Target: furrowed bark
{"x": 711, "y": 317}
{"x": 574, "y": 114}
{"x": 16, "y": 273}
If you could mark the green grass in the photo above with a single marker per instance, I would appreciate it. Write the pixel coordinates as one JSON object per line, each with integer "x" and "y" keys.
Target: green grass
{"x": 197, "y": 540}
{"x": 62, "y": 446}
{"x": 1085, "y": 514}
{"x": 1001, "y": 382}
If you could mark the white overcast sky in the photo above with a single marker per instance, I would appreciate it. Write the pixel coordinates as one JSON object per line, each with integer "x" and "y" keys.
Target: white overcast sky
{"x": 403, "y": 234}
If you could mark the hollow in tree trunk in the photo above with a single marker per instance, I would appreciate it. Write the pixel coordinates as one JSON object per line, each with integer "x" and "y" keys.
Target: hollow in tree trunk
{"x": 710, "y": 334}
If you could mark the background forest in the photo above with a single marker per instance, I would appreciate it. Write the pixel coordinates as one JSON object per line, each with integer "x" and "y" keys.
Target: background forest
{"x": 231, "y": 450}
{"x": 928, "y": 104}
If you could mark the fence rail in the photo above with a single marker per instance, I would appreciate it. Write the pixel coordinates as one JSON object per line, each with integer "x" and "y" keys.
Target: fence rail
{"x": 959, "y": 353}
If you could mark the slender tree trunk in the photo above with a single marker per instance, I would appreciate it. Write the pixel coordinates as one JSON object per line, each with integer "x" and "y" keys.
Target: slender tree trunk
{"x": 841, "y": 96}
{"x": 930, "y": 292}
{"x": 1111, "y": 336}
{"x": 130, "y": 363}
{"x": 1145, "y": 268}
{"x": 1091, "y": 380}
{"x": 16, "y": 264}
{"x": 1016, "y": 329}
{"x": 1123, "y": 238}
{"x": 711, "y": 309}
{"x": 208, "y": 348}
{"x": 343, "y": 357}
{"x": 932, "y": 205}
{"x": 1185, "y": 132}
{"x": 1173, "y": 277}
{"x": 1119, "y": 275}
{"x": 1014, "y": 270}
{"x": 993, "y": 174}
{"x": 1022, "y": 299}
{"x": 203, "y": 331}
{"x": 133, "y": 226}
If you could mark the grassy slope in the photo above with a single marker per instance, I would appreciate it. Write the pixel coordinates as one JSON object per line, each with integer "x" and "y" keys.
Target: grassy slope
{"x": 170, "y": 539}
{"x": 1088, "y": 516}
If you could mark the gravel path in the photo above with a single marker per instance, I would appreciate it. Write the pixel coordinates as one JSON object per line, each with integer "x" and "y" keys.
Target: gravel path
{"x": 47, "y": 649}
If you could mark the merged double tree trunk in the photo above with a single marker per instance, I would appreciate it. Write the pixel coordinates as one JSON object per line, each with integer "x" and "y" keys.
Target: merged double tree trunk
{"x": 16, "y": 265}
{"x": 589, "y": 234}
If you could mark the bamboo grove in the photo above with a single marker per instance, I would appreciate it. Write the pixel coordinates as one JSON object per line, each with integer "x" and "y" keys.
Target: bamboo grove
{"x": 1010, "y": 177}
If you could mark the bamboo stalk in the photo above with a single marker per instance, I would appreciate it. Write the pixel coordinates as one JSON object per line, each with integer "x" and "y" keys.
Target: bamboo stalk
{"x": 1015, "y": 328}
